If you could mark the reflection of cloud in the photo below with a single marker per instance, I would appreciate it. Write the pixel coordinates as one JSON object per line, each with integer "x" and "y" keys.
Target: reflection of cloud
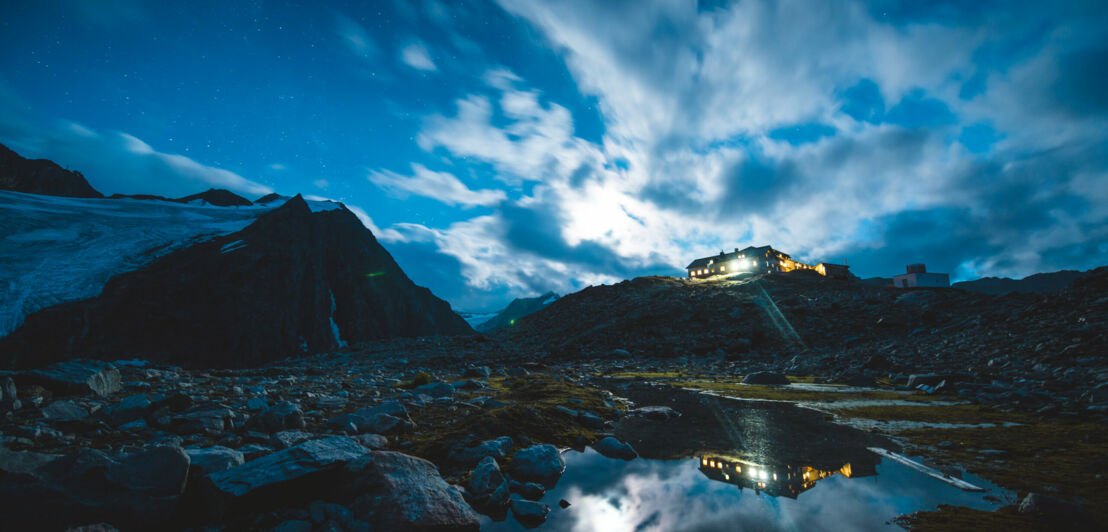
{"x": 674, "y": 495}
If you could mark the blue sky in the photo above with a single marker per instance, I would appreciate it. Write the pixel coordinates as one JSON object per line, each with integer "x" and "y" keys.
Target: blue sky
{"x": 506, "y": 148}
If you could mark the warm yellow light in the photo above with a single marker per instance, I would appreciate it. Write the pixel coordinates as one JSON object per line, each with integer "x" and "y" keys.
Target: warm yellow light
{"x": 703, "y": 461}
{"x": 723, "y": 268}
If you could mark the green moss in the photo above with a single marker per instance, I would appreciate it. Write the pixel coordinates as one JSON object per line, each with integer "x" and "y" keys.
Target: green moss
{"x": 1057, "y": 457}
{"x": 418, "y": 380}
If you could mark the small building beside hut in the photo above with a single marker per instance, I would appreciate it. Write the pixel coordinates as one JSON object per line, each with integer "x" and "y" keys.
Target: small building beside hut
{"x": 919, "y": 277}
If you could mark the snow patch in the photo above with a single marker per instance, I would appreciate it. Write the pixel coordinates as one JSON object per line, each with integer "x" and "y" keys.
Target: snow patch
{"x": 232, "y": 246}
{"x": 549, "y": 300}
{"x": 324, "y": 206}
{"x": 65, "y": 249}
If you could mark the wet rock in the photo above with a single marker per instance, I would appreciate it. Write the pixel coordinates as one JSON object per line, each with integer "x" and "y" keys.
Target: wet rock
{"x": 1037, "y": 503}
{"x": 488, "y": 487}
{"x": 401, "y": 492}
{"x": 435, "y": 390}
{"x": 539, "y": 463}
{"x": 619, "y": 353}
{"x": 208, "y": 460}
{"x": 129, "y": 409}
{"x": 498, "y": 448}
{"x": 469, "y": 385}
{"x": 527, "y": 490}
{"x": 259, "y": 482}
{"x": 655, "y": 413}
{"x": 613, "y": 448}
{"x": 77, "y": 377}
{"x": 281, "y": 416}
{"x": 65, "y": 410}
{"x": 564, "y": 504}
{"x": 159, "y": 471}
{"x": 529, "y": 513}
{"x": 765, "y": 377}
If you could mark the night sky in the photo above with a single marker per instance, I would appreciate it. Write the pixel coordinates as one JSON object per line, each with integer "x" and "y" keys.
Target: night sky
{"x": 505, "y": 148}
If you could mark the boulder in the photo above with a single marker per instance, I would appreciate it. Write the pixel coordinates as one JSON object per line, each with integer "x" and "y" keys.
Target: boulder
{"x": 498, "y": 448}
{"x": 9, "y": 395}
{"x": 76, "y": 377}
{"x": 765, "y": 377}
{"x": 655, "y": 413}
{"x": 23, "y": 461}
{"x": 375, "y": 442}
{"x": 281, "y": 416}
{"x": 274, "y": 478}
{"x": 288, "y": 438}
{"x": 207, "y": 460}
{"x": 539, "y": 463}
{"x": 613, "y": 448}
{"x": 487, "y": 487}
{"x": 400, "y": 492}
{"x": 479, "y": 372}
{"x": 528, "y": 490}
{"x": 435, "y": 390}
{"x": 1052, "y": 507}
{"x": 139, "y": 490}
{"x": 65, "y": 410}
{"x": 529, "y": 513}
{"x": 129, "y": 409}
{"x": 877, "y": 362}
{"x": 860, "y": 380}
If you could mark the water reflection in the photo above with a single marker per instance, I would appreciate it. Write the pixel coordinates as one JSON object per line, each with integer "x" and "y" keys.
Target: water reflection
{"x": 642, "y": 495}
{"x": 778, "y": 480}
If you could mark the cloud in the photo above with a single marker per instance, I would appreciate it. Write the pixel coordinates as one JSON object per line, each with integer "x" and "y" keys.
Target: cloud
{"x": 321, "y": 183}
{"x": 355, "y": 37}
{"x": 441, "y": 186}
{"x": 416, "y": 55}
{"x": 114, "y": 162}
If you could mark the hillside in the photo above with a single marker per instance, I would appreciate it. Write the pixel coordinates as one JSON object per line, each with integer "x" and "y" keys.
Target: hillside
{"x": 299, "y": 279}
{"x": 1039, "y": 283}
{"x": 40, "y": 176}
{"x": 819, "y": 326}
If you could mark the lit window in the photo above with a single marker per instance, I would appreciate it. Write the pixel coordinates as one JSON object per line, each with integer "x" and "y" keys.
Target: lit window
{"x": 723, "y": 268}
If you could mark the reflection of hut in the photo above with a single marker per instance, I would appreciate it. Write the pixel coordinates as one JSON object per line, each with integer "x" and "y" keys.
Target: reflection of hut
{"x": 787, "y": 481}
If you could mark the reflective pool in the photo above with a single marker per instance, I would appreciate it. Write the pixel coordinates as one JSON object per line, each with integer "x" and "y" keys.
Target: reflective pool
{"x": 729, "y": 494}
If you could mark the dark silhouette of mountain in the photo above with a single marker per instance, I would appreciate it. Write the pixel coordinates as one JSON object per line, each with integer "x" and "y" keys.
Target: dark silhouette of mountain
{"x": 218, "y": 197}
{"x": 270, "y": 198}
{"x": 515, "y": 310}
{"x": 40, "y": 176}
{"x": 294, "y": 281}
{"x": 139, "y": 197}
{"x": 1039, "y": 283}
{"x": 213, "y": 196}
